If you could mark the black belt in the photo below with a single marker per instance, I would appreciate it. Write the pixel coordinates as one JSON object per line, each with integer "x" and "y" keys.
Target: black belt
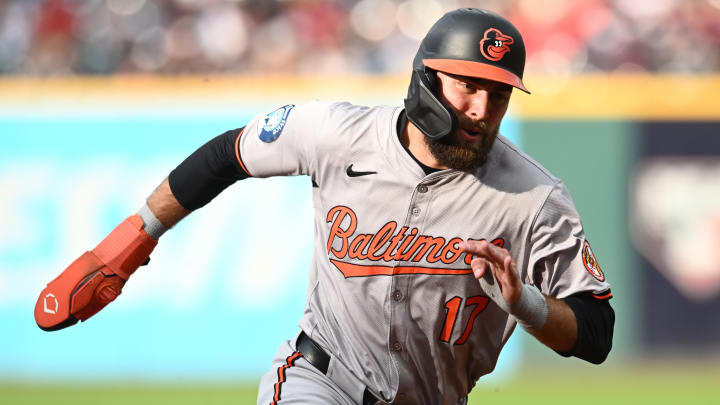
{"x": 316, "y": 356}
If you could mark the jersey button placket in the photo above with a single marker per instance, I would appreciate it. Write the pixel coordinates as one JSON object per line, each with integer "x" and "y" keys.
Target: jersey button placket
{"x": 399, "y": 292}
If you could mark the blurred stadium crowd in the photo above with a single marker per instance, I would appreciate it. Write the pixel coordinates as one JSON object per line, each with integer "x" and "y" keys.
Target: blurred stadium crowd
{"x": 66, "y": 37}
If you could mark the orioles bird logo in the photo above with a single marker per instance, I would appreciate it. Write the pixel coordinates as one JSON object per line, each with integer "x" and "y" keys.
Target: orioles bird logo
{"x": 589, "y": 259}
{"x": 591, "y": 263}
{"x": 495, "y": 44}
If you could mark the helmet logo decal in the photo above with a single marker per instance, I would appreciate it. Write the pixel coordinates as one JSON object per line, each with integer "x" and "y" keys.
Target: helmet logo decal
{"x": 495, "y": 44}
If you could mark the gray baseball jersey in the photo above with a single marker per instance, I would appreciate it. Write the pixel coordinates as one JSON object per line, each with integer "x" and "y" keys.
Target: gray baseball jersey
{"x": 391, "y": 296}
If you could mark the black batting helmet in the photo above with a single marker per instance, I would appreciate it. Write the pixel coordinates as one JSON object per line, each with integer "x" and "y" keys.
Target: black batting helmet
{"x": 467, "y": 42}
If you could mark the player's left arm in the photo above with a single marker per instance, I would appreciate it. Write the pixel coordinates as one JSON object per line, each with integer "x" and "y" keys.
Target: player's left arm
{"x": 579, "y": 325}
{"x": 560, "y": 295}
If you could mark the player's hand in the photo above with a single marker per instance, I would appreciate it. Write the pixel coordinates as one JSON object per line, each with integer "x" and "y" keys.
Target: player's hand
{"x": 496, "y": 272}
{"x": 96, "y": 278}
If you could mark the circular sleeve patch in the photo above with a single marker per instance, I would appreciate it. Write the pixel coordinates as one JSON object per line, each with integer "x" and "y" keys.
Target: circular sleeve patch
{"x": 273, "y": 124}
{"x": 590, "y": 263}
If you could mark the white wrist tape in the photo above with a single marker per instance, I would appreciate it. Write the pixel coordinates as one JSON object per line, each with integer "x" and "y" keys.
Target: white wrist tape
{"x": 531, "y": 310}
{"x": 153, "y": 227}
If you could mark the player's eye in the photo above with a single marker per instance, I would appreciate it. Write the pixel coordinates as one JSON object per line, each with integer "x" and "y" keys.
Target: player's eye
{"x": 466, "y": 86}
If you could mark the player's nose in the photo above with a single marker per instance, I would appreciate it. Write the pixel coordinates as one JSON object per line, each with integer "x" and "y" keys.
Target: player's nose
{"x": 478, "y": 108}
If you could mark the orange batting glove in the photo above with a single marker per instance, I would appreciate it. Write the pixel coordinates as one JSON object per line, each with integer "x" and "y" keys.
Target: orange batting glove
{"x": 96, "y": 278}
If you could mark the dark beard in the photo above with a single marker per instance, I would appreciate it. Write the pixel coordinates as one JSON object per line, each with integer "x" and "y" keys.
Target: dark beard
{"x": 456, "y": 153}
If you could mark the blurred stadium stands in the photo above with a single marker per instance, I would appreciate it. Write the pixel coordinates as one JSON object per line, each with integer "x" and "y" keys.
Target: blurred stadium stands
{"x": 80, "y": 37}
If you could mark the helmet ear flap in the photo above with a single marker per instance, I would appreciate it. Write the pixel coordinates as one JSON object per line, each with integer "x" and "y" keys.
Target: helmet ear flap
{"x": 423, "y": 108}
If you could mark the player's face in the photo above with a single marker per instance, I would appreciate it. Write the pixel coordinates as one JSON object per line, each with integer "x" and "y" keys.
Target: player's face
{"x": 480, "y": 106}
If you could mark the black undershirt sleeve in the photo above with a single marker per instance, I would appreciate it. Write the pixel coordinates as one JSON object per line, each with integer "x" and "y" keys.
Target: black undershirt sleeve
{"x": 207, "y": 172}
{"x": 595, "y": 323}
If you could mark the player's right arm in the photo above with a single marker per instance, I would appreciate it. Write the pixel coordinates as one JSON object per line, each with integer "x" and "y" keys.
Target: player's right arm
{"x": 97, "y": 277}
{"x": 165, "y": 206}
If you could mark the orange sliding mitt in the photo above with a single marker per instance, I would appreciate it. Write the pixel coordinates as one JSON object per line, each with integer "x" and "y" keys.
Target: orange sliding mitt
{"x": 96, "y": 278}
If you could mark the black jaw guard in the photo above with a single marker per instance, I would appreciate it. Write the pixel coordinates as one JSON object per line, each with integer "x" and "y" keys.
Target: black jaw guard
{"x": 423, "y": 108}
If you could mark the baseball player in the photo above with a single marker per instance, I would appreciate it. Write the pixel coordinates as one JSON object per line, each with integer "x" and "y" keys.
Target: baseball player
{"x": 435, "y": 236}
